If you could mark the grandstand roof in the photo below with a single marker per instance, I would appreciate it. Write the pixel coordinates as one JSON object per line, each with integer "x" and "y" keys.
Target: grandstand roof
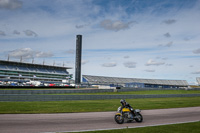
{"x": 30, "y": 64}
{"x": 117, "y": 80}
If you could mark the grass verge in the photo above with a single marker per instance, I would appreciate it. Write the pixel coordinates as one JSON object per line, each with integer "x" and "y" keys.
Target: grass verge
{"x": 192, "y": 127}
{"x": 95, "y": 105}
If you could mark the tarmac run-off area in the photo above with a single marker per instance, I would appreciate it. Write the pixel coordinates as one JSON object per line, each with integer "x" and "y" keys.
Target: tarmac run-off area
{"x": 66, "y": 122}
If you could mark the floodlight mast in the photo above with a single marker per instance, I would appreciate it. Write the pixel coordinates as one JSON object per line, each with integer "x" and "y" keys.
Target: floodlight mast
{"x": 78, "y": 59}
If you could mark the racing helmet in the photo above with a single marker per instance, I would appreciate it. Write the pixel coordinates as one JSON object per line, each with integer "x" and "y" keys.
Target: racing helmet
{"x": 122, "y": 101}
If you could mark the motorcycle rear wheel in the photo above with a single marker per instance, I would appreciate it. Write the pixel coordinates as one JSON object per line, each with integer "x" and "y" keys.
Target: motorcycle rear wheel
{"x": 119, "y": 119}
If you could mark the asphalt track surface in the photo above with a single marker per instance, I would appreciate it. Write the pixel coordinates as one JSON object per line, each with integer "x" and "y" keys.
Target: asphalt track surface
{"x": 66, "y": 122}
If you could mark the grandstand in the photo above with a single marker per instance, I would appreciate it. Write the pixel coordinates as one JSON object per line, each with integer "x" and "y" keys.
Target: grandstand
{"x": 134, "y": 82}
{"x": 198, "y": 80}
{"x": 19, "y": 71}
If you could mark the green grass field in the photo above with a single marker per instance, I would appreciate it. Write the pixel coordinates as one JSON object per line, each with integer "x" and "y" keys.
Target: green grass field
{"x": 112, "y": 105}
{"x": 95, "y": 105}
{"x": 192, "y": 127}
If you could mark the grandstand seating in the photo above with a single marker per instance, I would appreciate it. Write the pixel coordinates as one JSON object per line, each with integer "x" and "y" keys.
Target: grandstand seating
{"x": 15, "y": 70}
{"x": 122, "y": 81}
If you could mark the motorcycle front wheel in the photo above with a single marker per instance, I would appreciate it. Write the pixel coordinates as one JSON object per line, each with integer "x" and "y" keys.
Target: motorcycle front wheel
{"x": 139, "y": 118}
{"x": 119, "y": 119}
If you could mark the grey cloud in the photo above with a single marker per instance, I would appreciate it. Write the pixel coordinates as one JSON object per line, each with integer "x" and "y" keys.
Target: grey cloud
{"x": 149, "y": 70}
{"x": 158, "y": 57}
{"x": 152, "y": 62}
{"x": 10, "y": 4}
{"x": 84, "y": 62}
{"x": 30, "y": 33}
{"x": 126, "y": 57}
{"x": 169, "y": 21}
{"x": 16, "y": 32}
{"x": 169, "y": 64}
{"x": 115, "y": 25}
{"x": 70, "y": 51}
{"x": 167, "y": 35}
{"x": 169, "y": 44}
{"x": 40, "y": 54}
{"x": 165, "y": 58}
{"x": 2, "y": 33}
{"x": 110, "y": 64}
{"x": 197, "y": 51}
{"x": 28, "y": 53}
{"x": 82, "y": 26}
{"x": 196, "y": 72}
{"x": 130, "y": 64}
{"x": 187, "y": 38}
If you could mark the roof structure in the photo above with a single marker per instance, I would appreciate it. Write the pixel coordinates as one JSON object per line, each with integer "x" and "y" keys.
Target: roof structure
{"x": 31, "y": 64}
{"x": 117, "y": 80}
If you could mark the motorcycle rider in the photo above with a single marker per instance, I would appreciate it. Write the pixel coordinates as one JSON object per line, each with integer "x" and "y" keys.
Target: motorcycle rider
{"x": 126, "y": 105}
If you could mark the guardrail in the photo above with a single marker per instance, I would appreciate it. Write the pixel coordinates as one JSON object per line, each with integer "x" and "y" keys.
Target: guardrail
{"x": 57, "y": 91}
{"x": 63, "y": 91}
{"x": 9, "y": 97}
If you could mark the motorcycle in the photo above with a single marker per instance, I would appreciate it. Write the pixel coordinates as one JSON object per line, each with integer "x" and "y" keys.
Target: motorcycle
{"x": 128, "y": 115}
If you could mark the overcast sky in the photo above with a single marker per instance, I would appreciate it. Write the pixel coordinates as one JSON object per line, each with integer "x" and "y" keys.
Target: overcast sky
{"x": 152, "y": 39}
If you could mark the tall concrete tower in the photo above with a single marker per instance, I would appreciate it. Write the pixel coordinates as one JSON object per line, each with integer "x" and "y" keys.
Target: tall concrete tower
{"x": 78, "y": 59}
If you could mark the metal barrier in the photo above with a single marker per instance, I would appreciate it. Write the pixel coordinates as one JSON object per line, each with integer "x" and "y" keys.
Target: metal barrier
{"x": 57, "y": 91}
{"x": 10, "y": 97}
{"x": 61, "y": 91}
{"x": 38, "y": 95}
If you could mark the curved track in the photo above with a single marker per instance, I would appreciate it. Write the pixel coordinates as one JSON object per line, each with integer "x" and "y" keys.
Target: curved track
{"x": 36, "y": 123}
